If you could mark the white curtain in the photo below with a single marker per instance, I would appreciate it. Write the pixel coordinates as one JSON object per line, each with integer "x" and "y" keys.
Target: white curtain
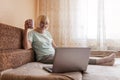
{"x": 99, "y": 23}
{"x": 83, "y": 23}
{"x": 112, "y": 23}
{"x": 73, "y": 23}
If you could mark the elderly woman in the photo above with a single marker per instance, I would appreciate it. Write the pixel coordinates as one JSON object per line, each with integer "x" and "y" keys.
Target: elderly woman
{"x": 44, "y": 46}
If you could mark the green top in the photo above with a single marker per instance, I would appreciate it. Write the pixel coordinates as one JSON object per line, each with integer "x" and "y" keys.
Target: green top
{"x": 41, "y": 43}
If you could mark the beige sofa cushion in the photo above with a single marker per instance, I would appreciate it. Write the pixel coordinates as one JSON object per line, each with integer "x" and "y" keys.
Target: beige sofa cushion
{"x": 15, "y": 57}
{"x": 10, "y": 37}
{"x": 96, "y": 72}
{"x": 34, "y": 71}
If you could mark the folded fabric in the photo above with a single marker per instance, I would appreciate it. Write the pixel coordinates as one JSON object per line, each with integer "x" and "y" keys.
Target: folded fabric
{"x": 34, "y": 71}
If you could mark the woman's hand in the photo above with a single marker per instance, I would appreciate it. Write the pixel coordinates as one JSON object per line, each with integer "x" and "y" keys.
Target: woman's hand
{"x": 54, "y": 45}
{"x": 28, "y": 24}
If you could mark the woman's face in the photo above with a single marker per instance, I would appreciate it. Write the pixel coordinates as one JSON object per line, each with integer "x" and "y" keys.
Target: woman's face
{"x": 43, "y": 25}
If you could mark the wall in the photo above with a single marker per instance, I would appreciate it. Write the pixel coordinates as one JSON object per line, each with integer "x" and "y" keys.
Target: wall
{"x": 15, "y": 12}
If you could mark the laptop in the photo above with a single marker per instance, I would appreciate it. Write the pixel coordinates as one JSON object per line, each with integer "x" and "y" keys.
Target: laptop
{"x": 69, "y": 60}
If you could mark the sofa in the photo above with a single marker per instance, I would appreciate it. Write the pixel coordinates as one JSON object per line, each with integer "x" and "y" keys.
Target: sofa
{"x": 17, "y": 63}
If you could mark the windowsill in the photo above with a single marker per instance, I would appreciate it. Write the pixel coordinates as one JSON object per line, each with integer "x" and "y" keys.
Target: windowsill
{"x": 96, "y": 53}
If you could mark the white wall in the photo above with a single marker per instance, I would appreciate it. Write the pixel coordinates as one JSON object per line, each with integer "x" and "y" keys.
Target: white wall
{"x": 15, "y": 12}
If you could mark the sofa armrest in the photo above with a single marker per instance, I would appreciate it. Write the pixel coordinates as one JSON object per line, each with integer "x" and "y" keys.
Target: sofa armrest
{"x": 14, "y": 58}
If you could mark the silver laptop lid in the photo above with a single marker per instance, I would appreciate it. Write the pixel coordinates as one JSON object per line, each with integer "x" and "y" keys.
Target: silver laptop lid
{"x": 71, "y": 59}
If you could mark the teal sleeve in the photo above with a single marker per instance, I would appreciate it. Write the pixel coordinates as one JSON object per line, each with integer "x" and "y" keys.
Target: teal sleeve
{"x": 30, "y": 36}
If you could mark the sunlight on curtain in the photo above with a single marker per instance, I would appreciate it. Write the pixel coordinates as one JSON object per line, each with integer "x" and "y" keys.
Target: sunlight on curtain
{"x": 73, "y": 22}
{"x": 92, "y": 24}
{"x": 78, "y": 20}
{"x": 83, "y": 23}
{"x": 96, "y": 27}
{"x": 112, "y": 23}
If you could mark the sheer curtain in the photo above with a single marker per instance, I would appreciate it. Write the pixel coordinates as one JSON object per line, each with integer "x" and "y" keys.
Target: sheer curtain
{"x": 83, "y": 23}
{"x": 112, "y": 23}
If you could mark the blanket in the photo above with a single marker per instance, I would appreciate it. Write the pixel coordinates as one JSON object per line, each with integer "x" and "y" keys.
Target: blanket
{"x": 34, "y": 71}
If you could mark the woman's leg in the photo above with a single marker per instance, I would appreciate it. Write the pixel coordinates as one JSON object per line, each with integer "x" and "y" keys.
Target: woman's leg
{"x": 108, "y": 61}
{"x": 48, "y": 59}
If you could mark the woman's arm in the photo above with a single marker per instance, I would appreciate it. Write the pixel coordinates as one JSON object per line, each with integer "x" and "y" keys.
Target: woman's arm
{"x": 54, "y": 45}
{"x": 26, "y": 42}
